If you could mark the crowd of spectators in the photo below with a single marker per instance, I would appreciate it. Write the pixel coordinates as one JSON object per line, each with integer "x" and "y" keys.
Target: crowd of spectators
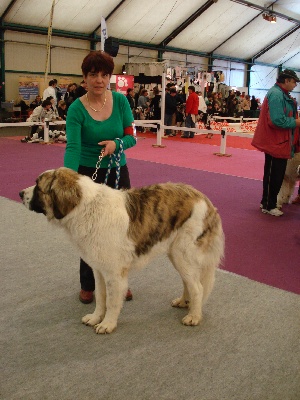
{"x": 52, "y": 106}
{"x": 180, "y": 109}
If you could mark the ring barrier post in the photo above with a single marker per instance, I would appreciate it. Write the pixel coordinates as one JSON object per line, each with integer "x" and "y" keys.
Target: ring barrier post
{"x": 222, "y": 152}
{"x": 46, "y": 131}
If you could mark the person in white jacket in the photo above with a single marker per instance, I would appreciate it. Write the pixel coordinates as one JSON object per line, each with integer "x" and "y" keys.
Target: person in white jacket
{"x": 39, "y": 114}
{"x": 202, "y": 105}
{"x": 50, "y": 91}
{"x": 202, "y": 108}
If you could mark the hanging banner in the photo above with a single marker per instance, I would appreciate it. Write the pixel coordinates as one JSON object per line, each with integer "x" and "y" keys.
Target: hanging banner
{"x": 29, "y": 87}
{"x": 104, "y": 34}
{"x": 124, "y": 82}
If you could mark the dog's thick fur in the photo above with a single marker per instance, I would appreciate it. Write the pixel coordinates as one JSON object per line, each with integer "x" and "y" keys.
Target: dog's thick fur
{"x": 118, "y": 230}
{"x": 292, "y": 175}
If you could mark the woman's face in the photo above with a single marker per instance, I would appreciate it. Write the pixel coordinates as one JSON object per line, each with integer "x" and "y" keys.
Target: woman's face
{"x": 97, "y": 82}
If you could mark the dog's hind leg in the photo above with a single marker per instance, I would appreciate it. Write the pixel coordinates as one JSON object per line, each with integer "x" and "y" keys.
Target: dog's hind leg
{"x": 116, "y": 288}
{"x": 183, "y": 301}
{"x": 207, "y": 280}
{"x": 193, "y": 289}
{"x": 100, "y": 295}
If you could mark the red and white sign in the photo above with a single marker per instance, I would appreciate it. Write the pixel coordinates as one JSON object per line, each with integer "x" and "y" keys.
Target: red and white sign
{"x": 123, "y": 82}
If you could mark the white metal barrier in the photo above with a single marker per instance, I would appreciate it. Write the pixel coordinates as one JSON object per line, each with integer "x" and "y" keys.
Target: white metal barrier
{"x": 223, "y": 132}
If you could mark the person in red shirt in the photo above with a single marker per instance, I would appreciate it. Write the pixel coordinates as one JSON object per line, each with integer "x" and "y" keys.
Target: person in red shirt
{"x": 191, "y": 110}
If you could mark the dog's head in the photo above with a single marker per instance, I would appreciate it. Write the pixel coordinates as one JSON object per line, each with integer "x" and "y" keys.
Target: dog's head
{"x": 55, "y": 194}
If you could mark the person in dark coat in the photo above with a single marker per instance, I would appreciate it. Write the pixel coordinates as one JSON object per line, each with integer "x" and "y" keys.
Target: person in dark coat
{"x": 81, "y": 90}
{"x": 170, "y": 109}
{"x": 254, "y": 104}
{"x": 130, "y": 98}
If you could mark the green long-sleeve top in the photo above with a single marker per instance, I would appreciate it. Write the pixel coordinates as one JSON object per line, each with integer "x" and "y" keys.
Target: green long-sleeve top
{"x": 84, "y": 133}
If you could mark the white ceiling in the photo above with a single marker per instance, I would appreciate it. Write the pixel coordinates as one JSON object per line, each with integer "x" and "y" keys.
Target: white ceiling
{"x": 226, "y": 28}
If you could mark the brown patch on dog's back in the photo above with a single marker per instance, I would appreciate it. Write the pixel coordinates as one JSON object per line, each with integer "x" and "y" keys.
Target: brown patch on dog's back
{"x": 158, "y": 210}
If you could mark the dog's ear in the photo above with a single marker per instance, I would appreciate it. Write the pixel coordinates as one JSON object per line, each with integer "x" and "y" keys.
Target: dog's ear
{"x": 65, "y": 192}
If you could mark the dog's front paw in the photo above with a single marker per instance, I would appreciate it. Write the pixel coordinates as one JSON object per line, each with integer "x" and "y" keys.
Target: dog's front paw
{"x": 191, "y": 320}
{"x": 180, "y": 302}
{"x": 105, "y": 327}
{"x": 91, "y": 319}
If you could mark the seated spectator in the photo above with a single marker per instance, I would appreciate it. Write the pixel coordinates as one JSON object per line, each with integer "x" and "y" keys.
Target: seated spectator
{"x": 54, "y": 110}
{"x": 39, "y": 114}
{"x": 36, "y": 102}
{"x": 245, "y": 105}
{"x": 232, "y": 103}
{"x": 80, "y": 90}
{"x": 24, "y": 107}
{"x": 69, "y": 96}
{"x": 62, "y": 110}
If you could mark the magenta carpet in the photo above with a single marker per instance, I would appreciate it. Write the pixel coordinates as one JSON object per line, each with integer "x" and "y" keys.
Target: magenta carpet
{"x": 258, "y": 246}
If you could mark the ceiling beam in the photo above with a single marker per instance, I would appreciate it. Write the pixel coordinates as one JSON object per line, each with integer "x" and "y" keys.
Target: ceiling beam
{"x": 44, "y": 31}
{"x": 275, "y": 42}
{"x": 186, "y": 23}
{"x": 11, "y": 4}
{"x": 230, "y": 37}
{"x": 266, "y": 10}
{"x": 110, "y": 14}
{"x": 129, "y": 43}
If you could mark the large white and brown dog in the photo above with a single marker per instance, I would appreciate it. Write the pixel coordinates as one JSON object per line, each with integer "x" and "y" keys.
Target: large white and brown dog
{"x": 291, "y": 176}
{"x": 116, "y": 231}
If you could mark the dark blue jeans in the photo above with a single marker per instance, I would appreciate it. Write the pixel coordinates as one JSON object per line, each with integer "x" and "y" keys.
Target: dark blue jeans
{"x": 189, "y": 123}
{"x": 168, "y": 122}
{"x": 87, "y": 280}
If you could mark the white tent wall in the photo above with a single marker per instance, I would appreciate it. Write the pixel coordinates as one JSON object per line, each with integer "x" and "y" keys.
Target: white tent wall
{"x": 26, "y": 54}
{"x": 262, "y": 78}
{"x": 132, "y": 55}
{"x": 185, "y": 60}
{"x": 235, "y": 73}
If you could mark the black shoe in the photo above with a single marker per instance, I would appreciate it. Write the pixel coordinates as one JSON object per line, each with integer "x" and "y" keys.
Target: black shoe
{"x": 26, "y": 139}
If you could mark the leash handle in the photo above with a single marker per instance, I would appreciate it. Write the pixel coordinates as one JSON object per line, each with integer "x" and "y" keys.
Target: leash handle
{"x": 113, "y": 157}
{"x": 117, "y": 159}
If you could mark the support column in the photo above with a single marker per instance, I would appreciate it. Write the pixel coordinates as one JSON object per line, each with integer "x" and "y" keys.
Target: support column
{"x": 2, "y": 63}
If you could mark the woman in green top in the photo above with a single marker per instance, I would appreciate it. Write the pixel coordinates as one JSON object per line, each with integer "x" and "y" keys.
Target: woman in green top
{"x": 97, "y": 121}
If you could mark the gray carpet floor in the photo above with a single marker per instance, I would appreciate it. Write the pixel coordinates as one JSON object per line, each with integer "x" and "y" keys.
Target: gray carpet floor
{"x": 247, "y": 347}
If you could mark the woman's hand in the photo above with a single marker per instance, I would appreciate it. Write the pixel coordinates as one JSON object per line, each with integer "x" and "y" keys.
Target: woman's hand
{"x": 109, "y": 147}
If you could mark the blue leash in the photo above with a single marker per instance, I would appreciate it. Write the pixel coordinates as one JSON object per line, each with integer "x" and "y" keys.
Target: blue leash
{"x": 113, "y": 158}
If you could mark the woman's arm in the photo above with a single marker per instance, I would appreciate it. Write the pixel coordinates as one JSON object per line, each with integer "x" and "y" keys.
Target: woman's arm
{"x": 73, "y": 132}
